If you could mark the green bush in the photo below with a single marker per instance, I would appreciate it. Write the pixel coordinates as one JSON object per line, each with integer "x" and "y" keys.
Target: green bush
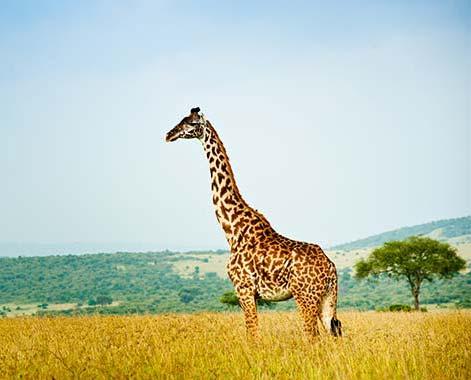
{"x": 464, "y": 303}
{"x": 229, "y": 298}
{"x": 399, "y": 307}
{"x": 104, "y": 300}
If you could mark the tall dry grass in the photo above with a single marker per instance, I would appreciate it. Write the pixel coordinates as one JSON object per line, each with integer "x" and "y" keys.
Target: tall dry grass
{"x": 207, "y": 346}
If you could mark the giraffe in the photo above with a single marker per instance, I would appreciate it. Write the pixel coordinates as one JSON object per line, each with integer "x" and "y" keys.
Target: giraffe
{"x": 263, "y": 264}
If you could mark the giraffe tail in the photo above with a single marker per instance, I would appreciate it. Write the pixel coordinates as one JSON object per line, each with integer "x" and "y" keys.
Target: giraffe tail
{"x": 335, "y": 327}
{"x": 329, "y": 306}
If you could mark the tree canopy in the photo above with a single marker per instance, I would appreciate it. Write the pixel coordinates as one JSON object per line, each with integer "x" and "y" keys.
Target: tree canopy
{"x": 416, "y": 259}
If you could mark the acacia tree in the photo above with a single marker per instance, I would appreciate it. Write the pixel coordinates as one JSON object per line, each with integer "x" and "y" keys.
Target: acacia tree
{"x": 415, "y": 259}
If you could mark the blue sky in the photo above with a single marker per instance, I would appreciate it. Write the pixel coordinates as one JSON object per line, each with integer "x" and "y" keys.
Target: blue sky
{"x": 341, "y": 120}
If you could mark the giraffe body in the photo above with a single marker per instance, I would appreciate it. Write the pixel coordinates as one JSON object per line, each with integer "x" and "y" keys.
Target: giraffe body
{"x": 263, "y": 264}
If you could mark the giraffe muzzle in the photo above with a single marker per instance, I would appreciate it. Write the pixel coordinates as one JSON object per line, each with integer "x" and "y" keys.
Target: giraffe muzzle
{"x": 170, "y": 138}
{"x": 172, "y": 135}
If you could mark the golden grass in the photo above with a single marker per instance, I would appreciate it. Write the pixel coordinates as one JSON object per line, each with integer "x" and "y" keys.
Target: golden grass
{"x": 209, "y": 346}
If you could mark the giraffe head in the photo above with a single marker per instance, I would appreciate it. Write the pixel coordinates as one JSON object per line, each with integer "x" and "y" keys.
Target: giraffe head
{"x": 191, "y": 127}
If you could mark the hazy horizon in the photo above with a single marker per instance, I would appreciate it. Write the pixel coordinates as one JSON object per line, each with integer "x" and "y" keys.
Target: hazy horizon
{"x": 14, "y": 249}
{"x": 341, "y": 120}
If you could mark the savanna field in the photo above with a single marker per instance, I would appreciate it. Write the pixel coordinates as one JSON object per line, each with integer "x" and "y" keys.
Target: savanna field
{"x": 433, "y": 345}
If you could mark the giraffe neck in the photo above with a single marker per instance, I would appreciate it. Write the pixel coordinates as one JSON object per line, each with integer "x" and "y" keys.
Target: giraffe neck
{"x": 228, "y": 202}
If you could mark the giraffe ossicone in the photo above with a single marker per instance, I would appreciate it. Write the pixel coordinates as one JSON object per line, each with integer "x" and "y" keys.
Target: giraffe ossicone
{"x": 263, "y": 264}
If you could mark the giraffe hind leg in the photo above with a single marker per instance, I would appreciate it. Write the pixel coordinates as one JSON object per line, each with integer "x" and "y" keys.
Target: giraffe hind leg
{"x": 309, "y": 308}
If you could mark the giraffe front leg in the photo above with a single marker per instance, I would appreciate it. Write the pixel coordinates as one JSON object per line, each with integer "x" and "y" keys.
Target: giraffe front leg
{"x": 249, "y": 307}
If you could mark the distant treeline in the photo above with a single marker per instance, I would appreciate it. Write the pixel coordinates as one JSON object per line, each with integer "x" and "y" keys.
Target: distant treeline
{"x": 148, "y": 282}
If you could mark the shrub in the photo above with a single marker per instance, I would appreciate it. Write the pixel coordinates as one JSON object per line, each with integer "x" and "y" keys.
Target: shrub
{"x": 229, "y": 298}
{"x": 188, "y": 294}
{"x": 104, "y": 300}
{"x": 399, "y": 307}
{"x": 463, "y": 304}
{"x": 100, "y": 300}
{"x": 396, "y": 307}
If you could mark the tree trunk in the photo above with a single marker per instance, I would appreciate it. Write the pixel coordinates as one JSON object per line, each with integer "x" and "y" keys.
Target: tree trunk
{"x": 415, "y": 293}
{"x": 415, "y": 282}
{"x": 416, "y": 301}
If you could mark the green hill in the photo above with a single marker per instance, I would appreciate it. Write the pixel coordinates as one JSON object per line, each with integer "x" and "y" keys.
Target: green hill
{"x": 151, "y": 283}
{"x": 458, "y": 229}
{"x": 139, "y": 281}
{"x": 156, "y": 282}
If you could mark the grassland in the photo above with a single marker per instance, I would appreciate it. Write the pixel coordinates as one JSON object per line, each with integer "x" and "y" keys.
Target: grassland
{"x": 17, "y": 310}
{"x": 433, "y": 345}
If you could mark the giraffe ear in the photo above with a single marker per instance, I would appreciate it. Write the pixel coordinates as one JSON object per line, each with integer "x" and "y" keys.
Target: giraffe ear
{"x": 195, "y": 110}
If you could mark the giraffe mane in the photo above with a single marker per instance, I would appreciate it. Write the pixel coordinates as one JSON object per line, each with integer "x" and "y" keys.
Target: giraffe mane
{"x": 231, "y": 173}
